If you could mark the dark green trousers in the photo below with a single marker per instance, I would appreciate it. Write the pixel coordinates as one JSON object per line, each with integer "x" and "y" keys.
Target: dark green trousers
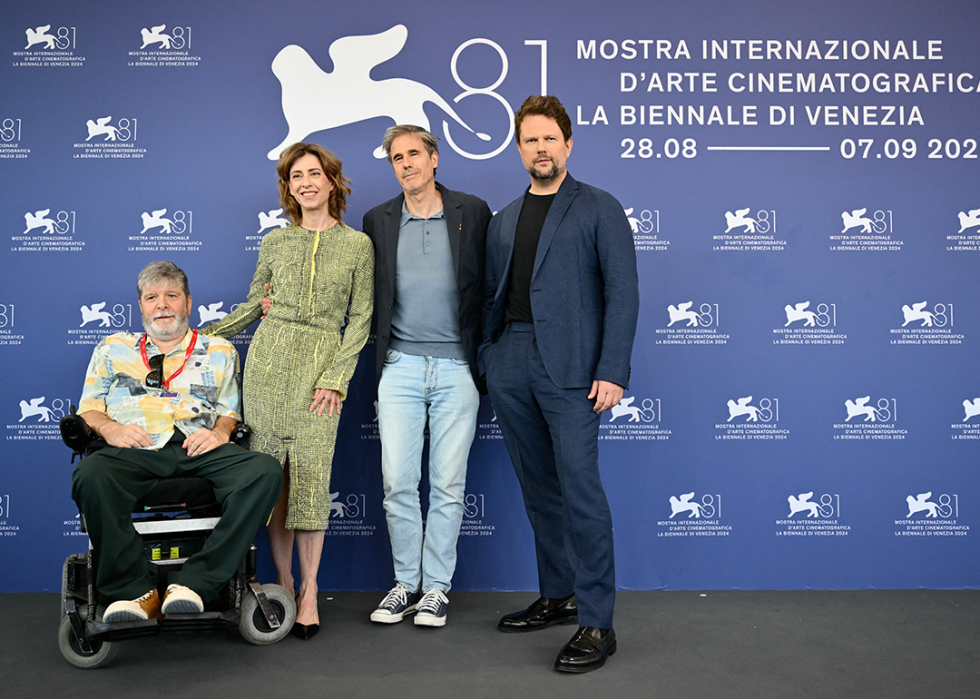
{"x": 107, "y": 484}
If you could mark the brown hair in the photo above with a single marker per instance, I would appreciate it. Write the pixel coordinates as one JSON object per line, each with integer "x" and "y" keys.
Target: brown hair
{"x": 543, "y": 105}
{"x": 332, "y": 168}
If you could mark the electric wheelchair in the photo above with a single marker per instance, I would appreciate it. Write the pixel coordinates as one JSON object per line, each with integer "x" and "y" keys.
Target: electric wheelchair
{"x": 174, "y": 521}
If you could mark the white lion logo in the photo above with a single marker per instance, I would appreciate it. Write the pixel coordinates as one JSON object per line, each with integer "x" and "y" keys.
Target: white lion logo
{"x": 860, "y": 407}
{"x": 739, "y": 219}
{"x": 917, "y": 312}
{"x": 96, "y": 313}
{"x": 684, "y": 504}
{"x": 681, "y": 312}
{"x": 34, "y": 407}
{"x": 313, "y": 100}
{"x": 856, "y": 218}
{"x": 920, "y": 504}
{"x": 156, "y": 221}
{"x": 156, "y": 36}
{"x": 972, "y": 408}
{"x": 969, "y": 220}
{"x": 210, "y": 313}
{"x": 40, "y": 36}
{"x": 799, "y": 312}
{"x": 624, "y": 407}
{"x": 742, "y": 407}
{"x": 39, "y": 219}
{"x": 101, "y": 127}
{"x": 803, "y": 504}
{"x": 271, "y": 219}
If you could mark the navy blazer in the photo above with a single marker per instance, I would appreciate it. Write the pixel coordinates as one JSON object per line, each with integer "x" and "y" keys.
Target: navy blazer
{"x": 467, "y": 218}
{"x": 584, "y": 288}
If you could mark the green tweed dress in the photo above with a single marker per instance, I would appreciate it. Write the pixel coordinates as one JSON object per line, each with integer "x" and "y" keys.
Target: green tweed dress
{"x": 300, "y": 347}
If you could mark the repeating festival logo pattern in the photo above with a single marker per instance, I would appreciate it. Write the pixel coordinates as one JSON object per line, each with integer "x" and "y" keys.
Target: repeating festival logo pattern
{"x": 749, "y": 422}
{"x": 929, "y": 515}
{"x": 749, "y": 231}
{"x": 927, "y": 323}
{"x": 645, "y": 225}
{"x": 166, "y": 233}
{"x": 348, "y": 515}
{"x": 163, "y": 47}
{"x": 475, "y": 522}
{"x": 866, "y": 231}
{"x": 634, "y": 419}
{"x": 967, "y": 238}
{"x": 870, "y": 421}
{"x": 37, "y": 419}
{"x": 9, "y": 335}
{"x": 49, "y": 46}
{"x": 48, "y": 231}
{"x": 813, "y": 515}
{"x": 809, "y": 324}
{"x": 691, "y": 516}
{"x": 10, "y": 135}
{"x": 694, "y": 326}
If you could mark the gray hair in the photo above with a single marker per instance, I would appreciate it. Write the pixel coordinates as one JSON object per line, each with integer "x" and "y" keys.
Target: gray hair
{"x": 162, "y": 271}
{"x": 431, "y": 141}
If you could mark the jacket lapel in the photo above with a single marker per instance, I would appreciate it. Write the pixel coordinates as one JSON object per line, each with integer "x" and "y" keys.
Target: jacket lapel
{"x": 454, "y": 226}
{"x": 393, "y": 217}
{"x": 563, "y": 199}
{"x": 508, "y": 233}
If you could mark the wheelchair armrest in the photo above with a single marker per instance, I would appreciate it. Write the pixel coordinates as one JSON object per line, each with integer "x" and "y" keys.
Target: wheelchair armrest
{"x": 75, "y": 432}
{"x": 241, "y": 434}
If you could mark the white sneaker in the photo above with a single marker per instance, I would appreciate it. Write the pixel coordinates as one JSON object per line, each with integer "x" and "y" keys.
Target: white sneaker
{"x": 181, "y": 600}
{"x": 432, "y": 609}
{"x": 146, "y": 607}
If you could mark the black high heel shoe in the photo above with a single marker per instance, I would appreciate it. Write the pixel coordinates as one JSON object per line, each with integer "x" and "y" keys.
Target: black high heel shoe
{"x": 305, "y": 631}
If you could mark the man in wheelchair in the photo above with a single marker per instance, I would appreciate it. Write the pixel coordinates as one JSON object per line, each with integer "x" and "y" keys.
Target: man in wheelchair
{"x": 166, "y": 403}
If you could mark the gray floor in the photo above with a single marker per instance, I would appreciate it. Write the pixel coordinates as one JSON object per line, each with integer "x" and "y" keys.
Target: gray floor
{"x": 866, "y": 644}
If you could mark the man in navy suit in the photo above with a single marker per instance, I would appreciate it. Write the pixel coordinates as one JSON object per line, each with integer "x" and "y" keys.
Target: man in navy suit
{"x": 430, "y": 245}
{"x": 560, "y": 306}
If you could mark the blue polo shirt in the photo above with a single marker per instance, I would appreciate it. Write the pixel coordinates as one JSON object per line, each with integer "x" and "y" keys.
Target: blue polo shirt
{"x": 425, "y": 313}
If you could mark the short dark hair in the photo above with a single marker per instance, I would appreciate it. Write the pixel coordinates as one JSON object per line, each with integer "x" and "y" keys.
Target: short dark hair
{"x": 543, "y": 105}
{"x": 162, "y": 271}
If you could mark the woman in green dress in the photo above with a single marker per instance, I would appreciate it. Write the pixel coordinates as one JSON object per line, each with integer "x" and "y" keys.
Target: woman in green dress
{"x": 302, "y": 356}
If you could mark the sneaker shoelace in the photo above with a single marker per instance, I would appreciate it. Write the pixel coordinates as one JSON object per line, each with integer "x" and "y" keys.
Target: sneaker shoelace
{"x": 431, "y": 601}
{"x": 397, "y": 597}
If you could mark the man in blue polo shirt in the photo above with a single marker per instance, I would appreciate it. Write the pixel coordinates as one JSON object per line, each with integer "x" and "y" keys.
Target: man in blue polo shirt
{"x": 430, "y": 246}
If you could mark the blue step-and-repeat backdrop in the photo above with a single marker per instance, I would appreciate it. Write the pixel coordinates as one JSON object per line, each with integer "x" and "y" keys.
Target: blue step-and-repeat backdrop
{"x": 802, "y": 183}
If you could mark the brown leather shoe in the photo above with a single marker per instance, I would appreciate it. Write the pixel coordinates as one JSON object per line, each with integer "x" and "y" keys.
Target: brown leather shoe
{"x": 544, "y": 612}
{"x": 146, "y": 607}
{"x": 587, "y": 650}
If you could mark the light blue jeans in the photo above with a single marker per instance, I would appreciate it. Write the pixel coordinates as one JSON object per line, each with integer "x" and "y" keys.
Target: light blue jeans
{"x": 413, "y": 389}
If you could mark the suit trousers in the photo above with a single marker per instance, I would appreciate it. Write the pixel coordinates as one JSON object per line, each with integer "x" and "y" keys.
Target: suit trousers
{"x": 552, "y": 437}
{"x": 107, "y": 484}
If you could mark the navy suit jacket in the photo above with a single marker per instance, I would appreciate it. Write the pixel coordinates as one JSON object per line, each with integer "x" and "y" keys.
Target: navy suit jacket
{"x": 584, "y": 289}
{"x": 467, "y": 218}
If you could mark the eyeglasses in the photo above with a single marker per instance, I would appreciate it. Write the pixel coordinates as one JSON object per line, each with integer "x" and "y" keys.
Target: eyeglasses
{"x": 155, "y": 378}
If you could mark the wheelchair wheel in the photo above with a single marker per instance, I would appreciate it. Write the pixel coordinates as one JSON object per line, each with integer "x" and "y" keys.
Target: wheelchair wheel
{"x": 253, "y": 625}
{"x": 101, "y": 653}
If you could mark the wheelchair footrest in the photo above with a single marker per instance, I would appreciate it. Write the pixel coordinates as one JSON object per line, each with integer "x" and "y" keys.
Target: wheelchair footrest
{"x": 171, "y": 623}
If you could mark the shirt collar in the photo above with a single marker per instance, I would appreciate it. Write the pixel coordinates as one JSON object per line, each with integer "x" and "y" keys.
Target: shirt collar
{"x": 182, "y": 347}
{"x": 406, "y": 216}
